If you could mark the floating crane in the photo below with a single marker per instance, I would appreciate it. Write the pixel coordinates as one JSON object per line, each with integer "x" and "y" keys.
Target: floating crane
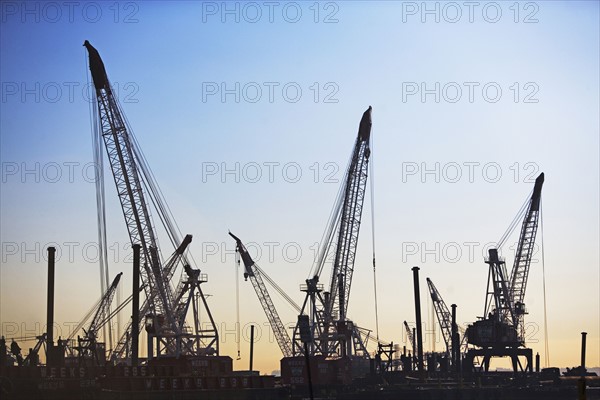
{"x": 333, "y": 335}
{"x": 502, "y": 332}
{"x": 164, "y": 307}
{"x": 252, "y": 271}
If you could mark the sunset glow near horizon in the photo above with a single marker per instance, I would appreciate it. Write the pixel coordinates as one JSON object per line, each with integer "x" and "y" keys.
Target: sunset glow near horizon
{"x": 247, "y": 113}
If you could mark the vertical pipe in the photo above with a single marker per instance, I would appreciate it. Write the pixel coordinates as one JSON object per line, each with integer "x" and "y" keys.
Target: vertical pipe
{"x": 418, "y": 316}
{"x": 581, "y": 384}
{"x": 251, "y": 346}
{"x": 454, "y": 332}
{"x": 307, "y": 360}
{"x": 305, "y": 337}
{"x": 583, "y": 337}
{"x": 414, "y": 345}
{"x": 50, "y": 306}
{"x": 135, "y": 307}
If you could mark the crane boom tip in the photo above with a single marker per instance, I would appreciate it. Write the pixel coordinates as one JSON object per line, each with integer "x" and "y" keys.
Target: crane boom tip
{"x": 97, "y": 67}
{"x": 540, "y": 178}
{"x": 364, "y": 128}
{"x": 537, "y": 192}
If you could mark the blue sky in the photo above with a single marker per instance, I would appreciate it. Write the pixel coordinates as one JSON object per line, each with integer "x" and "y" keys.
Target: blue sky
{"x": 165, "y": 58}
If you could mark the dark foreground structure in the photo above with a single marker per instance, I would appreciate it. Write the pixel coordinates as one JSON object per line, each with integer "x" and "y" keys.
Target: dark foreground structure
{"x": 172, "y": 382}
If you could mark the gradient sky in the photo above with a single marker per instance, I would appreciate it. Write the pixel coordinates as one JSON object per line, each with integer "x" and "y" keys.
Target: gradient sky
{"x": 166, "y": 60}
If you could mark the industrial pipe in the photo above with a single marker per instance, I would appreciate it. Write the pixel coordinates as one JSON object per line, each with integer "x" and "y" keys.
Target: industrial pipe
{"x": 251, "y": 346}
{"x": 50, "y": 307}
{"x": 135, "y": 307}
{"x": 414, "y": 346}
{"x": 583, "y": 337}
{"x": 454, "y": 339}
{"x": 418, "y": 317}
{"x": 581, "y": 384}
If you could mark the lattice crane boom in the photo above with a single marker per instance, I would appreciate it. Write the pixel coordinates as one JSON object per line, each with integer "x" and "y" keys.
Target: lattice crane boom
{"x": 411, "y": 337}
{"x": 124, "y": 166}
{"x": 350, "y": 219}
{"x": 332, "y": 333}
{"x": 253, "y": 272}
{"x": 444, "y": 317}
{"x": 104, "y": 307}
{"x": 137, "y": 191}
{"x": 525, "y": 249}
{"x": 443, "y": 314}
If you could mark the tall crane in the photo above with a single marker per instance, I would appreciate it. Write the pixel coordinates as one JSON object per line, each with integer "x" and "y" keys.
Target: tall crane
{"x": 523, "y": 256}
{"x": 134, "y": 181}
{"x": 332, "y": 333}
{"x": 501, "y": 331}
{"x": 252, "y": 271}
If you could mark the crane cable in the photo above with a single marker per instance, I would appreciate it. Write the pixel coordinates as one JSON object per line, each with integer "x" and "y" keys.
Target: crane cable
{"x": 327, "y": 244}
{"x": 278, "y": 289}
{"x": 372, "y": 190}
{"x": 100, "y": 200}
{"x": 515, "y": 222}
{"x": 156, "y": 195}
{"x": 546, "y": 347}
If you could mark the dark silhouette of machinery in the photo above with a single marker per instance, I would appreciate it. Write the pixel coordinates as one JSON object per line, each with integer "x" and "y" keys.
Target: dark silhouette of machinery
{"x": 165, "y": 306}
{"x": 501, "y": 332}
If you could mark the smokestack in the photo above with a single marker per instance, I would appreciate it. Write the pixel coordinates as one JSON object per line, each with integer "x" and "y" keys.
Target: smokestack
{"x": 50, "y": 303}
{"x": 135, "y": 307}
{"x": 583, "y": 337}
{"x": 418, "y": 317}
{"x": 453, "y": 338}
{"x": 251, "y": 345}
